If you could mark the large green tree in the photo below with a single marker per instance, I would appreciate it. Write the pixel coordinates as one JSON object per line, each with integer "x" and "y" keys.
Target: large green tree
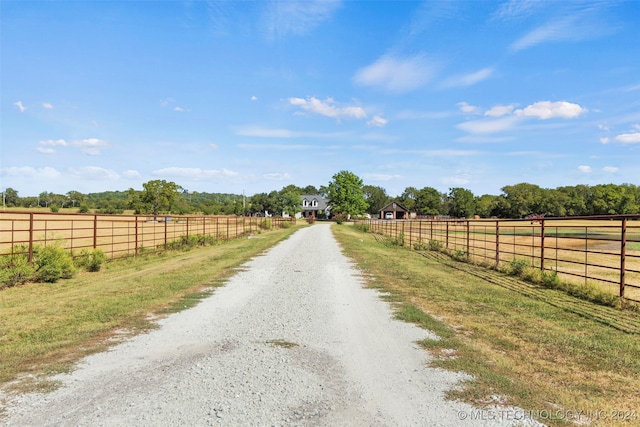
{"x": 346, "y": 195}
{"x": 428, "y": 201}
{"x": 376, "y": 197}
{"x": 157, "y": 196}
{"x": 462, "y": 203}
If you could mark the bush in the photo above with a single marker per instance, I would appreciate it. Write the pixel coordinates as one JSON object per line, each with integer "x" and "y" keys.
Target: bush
{"x": 517, "y": 267}
{"x": 420, "y": 246}
{"x": 54, "y": 208}
{"x": 459, "y": 255}
{"x": 53, "y": 263}
{"x": 435, "y": 245}
{"x": 311, "y": 219}
{"x": 91, "y": 260}
{"x": 266, "y": 224}
{"x": 340, "y": 218}
{"x": 15, "y": 269}
{"x": 83, "y": 208}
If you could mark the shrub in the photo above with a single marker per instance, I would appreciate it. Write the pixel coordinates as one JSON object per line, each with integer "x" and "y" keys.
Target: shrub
{"x": 517, "y": 266}
{"x": 362, "y": 226}
{"x": 285, "y": 224}
{"x": 83, "y": 208}
{"x": 54, "y": 208}
{"x": 266, "y": 224}
{"x": 15, "y": 269}
{"x": 91, "y": 260}
{"x": 420, "y": 246}
{"x": 311, "y": 219}
{"x": 435, "y": 245}
{"x": 53, "y": 263}
{"x": 459, "y": 255}
{"x": 340, "y": 218}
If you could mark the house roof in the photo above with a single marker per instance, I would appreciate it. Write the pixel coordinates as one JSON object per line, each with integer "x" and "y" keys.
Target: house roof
{"x": 322, "y": 202}
{"x": 394, "y": 207}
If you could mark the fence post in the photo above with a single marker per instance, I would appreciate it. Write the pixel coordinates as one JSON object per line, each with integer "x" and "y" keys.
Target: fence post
{"x": 623, "y": 254}
{"x": 135, "y": 218}
{"x": 31, "y": 238}
{"x": 446, "y": 236}
{"x": 95, "y": 231}
{"x": 165, "y": 234}
{"x": 497, "y": 243}
{"x": 542, "y": 245}
{"x": 468, "y": 237}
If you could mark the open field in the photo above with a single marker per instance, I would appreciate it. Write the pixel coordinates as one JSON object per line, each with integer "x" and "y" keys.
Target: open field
{"x": 578, "y": 250}
{"x": 566, "y": 360}
{"x": 118, "y": 235}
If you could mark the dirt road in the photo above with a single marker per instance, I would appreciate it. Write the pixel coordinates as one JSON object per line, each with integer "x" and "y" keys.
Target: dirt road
{"x": 292, "y": 339}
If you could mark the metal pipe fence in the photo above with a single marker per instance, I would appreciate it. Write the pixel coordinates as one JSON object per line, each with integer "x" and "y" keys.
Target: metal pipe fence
{"x": 120, "y": 236}
{"x": 600, "y": 249}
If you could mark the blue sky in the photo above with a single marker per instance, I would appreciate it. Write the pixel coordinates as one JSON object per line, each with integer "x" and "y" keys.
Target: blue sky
{"x": 233, "y": 97}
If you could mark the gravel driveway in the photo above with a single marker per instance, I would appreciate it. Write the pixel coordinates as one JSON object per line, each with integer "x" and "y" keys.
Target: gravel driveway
{"x": 292, "y": 339}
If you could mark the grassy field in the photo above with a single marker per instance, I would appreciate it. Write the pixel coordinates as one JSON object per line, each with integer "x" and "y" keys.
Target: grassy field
{"x": 46, "y": 328}
{"x": 536, "y": 348}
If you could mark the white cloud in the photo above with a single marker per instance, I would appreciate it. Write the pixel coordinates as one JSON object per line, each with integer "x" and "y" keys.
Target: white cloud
{"x": 377, "y": 121}
{"x": 517, "y": 9}
{"x": 544, "y": 110}
{"x": 489, "y": 125}
{"x": 585, "y": 169}
{"x": 46, "y": 150}
{"x": 131, "y": 174}
{"x": 629, "y": 138}
{"x": 47, "y": 106}
{"x": 94, "y": 173}
{"x": 328, "y": 108}
{"x": 254, "y": 98}
{"x": 165, "y": 102}
{"x": 610, "y": 169}
{"x": 277, "y": 176}
{"x": 605, "y": 140}
{"x": 178, "y": 109}
{"x": 499, "y": 110}
{"x": 279, "y": 147}
{"x": 21, "y": 107}
{"x": 467, "y": 108}
{"x": 397, "y": 75}
{"x": 91, "y": 146}
{"x": 45, "y": 173}
{"x": 213, "y": 146}
{"x": 455, "y": 180}
{"x": 195, "y": 174}
{"x": 54, "y": 143}
{"x": 468, "y": 79}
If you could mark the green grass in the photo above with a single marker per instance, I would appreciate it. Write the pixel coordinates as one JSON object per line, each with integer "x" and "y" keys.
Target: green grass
{"x": 46, "y": 328}
{"x": 537, "y": 348}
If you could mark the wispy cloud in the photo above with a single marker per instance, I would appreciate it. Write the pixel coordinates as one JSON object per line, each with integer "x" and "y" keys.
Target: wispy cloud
{"x": 195, "y": 174}
{"x": 377, "y": 121}
{"x": 44, "y": 173}
{"x": 328, "y": 108}
{"x": 277, "y": 176}
{"x": 46, "y": 147}
{"x": 91, "y": 146}
{"x": 47, "y": 106}
{"x": 484, "y": 126}
{"x": 499, "y": 111}
{"x": 20, "y": 107}
{"x": 397, "y": 75}
{"x": 282, "y": 18}
{"x": 381, "y": 177}
{"x": 464, "y": 80}
{"x": 518, "y": 9}
{"x": 585, "y": 169}
{"x": 264, "y": 132}
{"x": 610, "y": 169}
{"x": 94, "y": 173}
{"x": 468, "y": 108}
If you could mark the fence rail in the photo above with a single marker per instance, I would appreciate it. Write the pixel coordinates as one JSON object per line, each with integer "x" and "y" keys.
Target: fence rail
{"x": 118, "y": 235}
{"x": 600, "y": 249}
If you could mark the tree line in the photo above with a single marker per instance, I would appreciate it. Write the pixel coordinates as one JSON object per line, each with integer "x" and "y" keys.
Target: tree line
{"x": 349, "y": 195}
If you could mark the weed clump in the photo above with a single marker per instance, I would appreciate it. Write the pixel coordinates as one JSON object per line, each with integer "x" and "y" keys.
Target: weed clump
{"x": 91, "y": 260}
{"x": 15, "y": 269}
{"x": 53, "y": 263}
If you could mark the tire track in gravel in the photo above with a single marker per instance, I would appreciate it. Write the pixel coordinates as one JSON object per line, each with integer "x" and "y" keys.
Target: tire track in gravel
{"x": 292, "y": 339}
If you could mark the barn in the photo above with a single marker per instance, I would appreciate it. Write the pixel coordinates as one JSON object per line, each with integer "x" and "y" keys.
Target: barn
{"x": 394, "y": 210}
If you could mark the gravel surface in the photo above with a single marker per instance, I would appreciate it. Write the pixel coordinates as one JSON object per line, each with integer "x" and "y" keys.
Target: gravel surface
{"x": 292, "y": 339}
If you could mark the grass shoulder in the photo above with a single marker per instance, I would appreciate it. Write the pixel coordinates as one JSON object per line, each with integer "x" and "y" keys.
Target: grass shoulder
{"x": 526, "y": 345}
